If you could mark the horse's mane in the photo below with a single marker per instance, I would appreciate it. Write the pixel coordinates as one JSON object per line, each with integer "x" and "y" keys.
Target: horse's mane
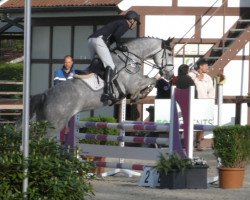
{"x": 140, "y": 38}
{"x": 167, "y": 42}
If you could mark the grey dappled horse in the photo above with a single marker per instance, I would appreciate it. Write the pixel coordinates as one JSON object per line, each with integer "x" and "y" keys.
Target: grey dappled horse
{"x": 59, "y": 103}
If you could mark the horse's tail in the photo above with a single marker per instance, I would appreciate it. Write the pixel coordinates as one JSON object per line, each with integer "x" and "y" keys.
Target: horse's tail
{"x": 36, "y": 103}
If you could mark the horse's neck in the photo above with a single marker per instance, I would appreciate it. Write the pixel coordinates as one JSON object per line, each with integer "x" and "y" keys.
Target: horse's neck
{"x": 140, "y": 50}
{"x": 144, "y": 48}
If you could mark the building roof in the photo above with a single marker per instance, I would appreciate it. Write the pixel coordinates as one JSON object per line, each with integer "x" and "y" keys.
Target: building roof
{"x": 17, "y": 4}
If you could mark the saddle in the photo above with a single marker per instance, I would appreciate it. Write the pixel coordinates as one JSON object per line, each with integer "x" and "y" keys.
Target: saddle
{"x": 96, "y": 66}
{"x": 94, "y": 76}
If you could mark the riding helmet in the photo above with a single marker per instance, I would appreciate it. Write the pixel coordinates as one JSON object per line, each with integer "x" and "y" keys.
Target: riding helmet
{"x": 133, "y": 15}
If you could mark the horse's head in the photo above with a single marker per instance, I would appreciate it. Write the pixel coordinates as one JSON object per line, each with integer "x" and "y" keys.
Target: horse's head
{"x": 164, "y": 59}
{"x": 141, "y": 50}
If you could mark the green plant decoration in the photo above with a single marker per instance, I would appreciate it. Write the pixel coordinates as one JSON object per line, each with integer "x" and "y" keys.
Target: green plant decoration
{"x": 168, "y": 162}
{"x": 232, "y": 145}
{"x": 52, "y": 171}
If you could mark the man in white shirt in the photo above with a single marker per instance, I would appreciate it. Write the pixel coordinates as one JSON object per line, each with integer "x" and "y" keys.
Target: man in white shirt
{"x": 203, "y": 82}
{"x": 205, "y": 89}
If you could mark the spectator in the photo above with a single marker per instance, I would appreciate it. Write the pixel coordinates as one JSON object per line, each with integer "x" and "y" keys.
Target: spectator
{"x": 163, "y": 89}
{"x": 184, "y": 81}
{"x": 66, "y": 72}
{"x": 205, "y": 89}
{"x": 203, "y": 82}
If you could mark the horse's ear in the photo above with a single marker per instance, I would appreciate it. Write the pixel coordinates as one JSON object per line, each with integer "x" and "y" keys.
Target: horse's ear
{"x": 167, "y": 43}
{"x": 164, "y": 44}
{"x": 170, "y": 39}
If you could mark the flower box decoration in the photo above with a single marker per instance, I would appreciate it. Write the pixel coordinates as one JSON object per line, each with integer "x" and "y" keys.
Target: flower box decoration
{"x": 178, "y": 173}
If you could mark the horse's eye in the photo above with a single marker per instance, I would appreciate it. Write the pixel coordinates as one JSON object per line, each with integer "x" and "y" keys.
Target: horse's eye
{"x": 170, "y": 54}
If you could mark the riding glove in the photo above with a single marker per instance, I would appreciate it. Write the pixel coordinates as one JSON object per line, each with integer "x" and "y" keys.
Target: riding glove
{"x": 122, "y": 48}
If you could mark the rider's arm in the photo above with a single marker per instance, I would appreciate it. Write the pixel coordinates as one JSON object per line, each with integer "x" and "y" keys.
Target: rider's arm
{"x": 120, "y": 30}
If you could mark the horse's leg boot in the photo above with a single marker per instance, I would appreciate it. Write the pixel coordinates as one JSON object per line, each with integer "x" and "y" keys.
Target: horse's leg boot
{"x": 108, "y": 95}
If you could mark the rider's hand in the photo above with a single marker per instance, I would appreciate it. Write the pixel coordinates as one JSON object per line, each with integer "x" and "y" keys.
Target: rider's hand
{"x": 122, "y": 48}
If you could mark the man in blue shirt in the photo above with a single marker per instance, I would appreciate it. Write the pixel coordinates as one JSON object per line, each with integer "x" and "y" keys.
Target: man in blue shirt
{"x": 66, "y": 72}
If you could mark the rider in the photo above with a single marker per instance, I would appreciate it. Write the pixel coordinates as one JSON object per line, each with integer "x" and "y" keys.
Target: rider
{"x": 100, "y": 41}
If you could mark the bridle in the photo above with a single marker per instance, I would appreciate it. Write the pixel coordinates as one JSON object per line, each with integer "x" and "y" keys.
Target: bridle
{"x": 164, "y": 46}
{"x": 126, "y": 58}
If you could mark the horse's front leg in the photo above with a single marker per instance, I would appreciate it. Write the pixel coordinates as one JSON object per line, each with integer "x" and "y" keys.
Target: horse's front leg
{"x": 145, "y": 86}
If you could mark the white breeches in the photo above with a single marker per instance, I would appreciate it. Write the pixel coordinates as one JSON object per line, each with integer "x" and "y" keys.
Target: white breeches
{"x": 98, "y": 47}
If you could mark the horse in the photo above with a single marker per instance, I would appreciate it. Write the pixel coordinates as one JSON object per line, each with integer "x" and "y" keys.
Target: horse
{"x": 62, "y": 101}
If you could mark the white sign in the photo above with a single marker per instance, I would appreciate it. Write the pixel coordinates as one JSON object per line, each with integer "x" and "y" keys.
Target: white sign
{"x": 150, "y": 178}
{"x": 203, "y": 111}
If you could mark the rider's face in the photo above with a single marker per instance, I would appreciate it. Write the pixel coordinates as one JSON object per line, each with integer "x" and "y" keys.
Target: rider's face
{"x": 133, "y": 23}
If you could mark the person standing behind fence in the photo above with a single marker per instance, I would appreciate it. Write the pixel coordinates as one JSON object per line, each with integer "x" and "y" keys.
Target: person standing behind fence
{"x": 203, "y": 82}
{"x": 66, "y": 72}
{"x": 205, "y": 89}
{"x": 184, "y": 81}
{"x": 163, "y": 89}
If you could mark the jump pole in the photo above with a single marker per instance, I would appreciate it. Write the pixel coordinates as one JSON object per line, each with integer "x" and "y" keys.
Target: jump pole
{"x": 140, "y": 126}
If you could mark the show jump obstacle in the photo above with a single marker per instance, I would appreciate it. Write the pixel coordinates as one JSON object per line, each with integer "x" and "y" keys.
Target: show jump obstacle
{"x": 181, "y": 98}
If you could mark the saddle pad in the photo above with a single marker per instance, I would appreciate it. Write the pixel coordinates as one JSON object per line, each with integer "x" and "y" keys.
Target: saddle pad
{"x": 92, "y": 80}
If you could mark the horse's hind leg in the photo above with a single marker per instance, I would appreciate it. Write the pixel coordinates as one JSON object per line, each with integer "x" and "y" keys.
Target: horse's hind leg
{"x": 56, "y": 128}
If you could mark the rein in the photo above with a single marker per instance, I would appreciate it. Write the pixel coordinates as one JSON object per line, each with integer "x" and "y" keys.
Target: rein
{"x": 144, "y": 61}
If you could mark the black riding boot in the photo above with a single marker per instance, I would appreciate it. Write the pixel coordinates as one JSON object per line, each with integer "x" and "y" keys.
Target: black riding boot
{"x": 108, "y": 94}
